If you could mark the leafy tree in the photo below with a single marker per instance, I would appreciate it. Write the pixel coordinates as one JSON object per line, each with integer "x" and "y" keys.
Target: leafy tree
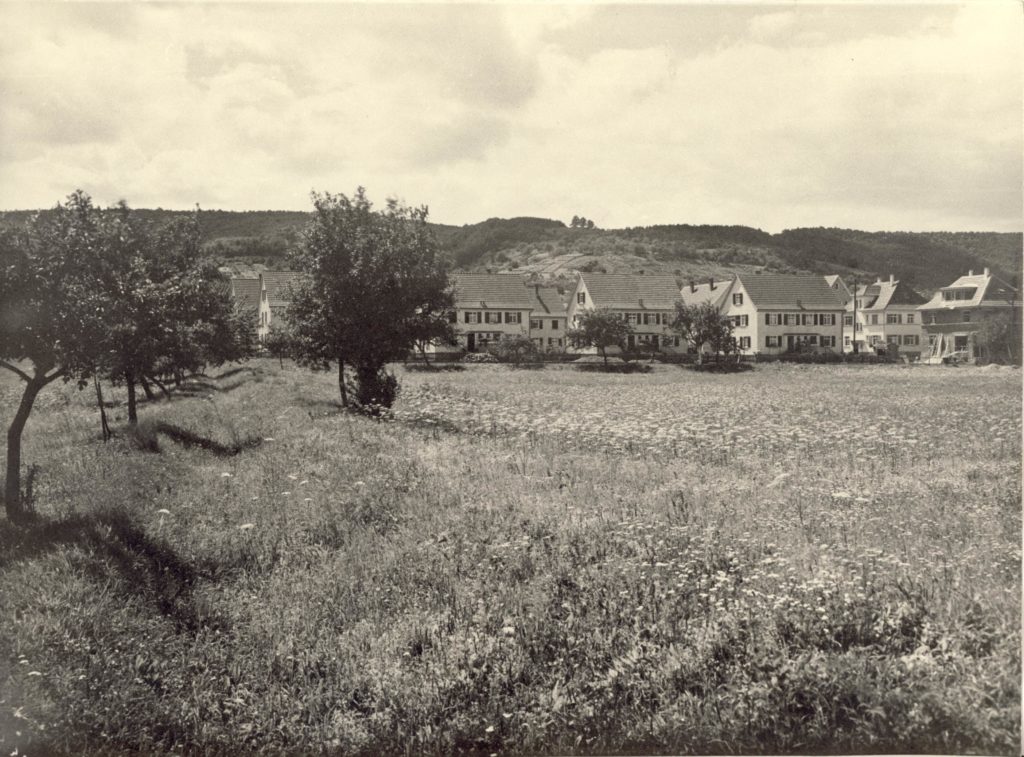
{"x": 165, "y": 307}
{"x": 998, "y": 337}
{"x": 48, "y": 316}
{"x": 704, "y": 325}
{"x": 375, "y": 286}
{"x": 280, "y": 343}
{"x": 600, "y": 329}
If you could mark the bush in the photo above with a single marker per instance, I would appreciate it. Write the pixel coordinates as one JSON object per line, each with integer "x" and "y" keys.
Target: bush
{"x": 518, "y": 351}
{"x": 479, "y": 357}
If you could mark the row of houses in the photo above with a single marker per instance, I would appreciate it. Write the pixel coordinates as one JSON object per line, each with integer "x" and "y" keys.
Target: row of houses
{"x": 770, "y": 313}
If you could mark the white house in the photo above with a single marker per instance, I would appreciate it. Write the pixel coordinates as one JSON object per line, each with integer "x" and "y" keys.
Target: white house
{"x": 883, "y": 316}
{"x": 275, "y": 297}
{"x": 548, "y": 319}
{"x": 489, "y": 307}
{"x": 646, "y": 301}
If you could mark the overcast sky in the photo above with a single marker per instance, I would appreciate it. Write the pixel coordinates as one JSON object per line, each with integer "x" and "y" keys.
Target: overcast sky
{"x": 894, "y": 116}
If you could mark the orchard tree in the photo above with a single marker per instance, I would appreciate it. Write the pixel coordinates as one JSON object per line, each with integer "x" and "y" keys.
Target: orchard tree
{"x": 601, "y": 329}
{"x": 49, "y": 314}
{"x": 704, "y": 325}
{"x": 375, "y": 285}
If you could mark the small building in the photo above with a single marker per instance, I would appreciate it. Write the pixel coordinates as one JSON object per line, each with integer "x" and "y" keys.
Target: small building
{"x": 646, "y": 301}
{"x": 489, "y": 307}
{"x": 883, "y": 318}
{"x": 548, "y": 319}
{"x": 275, "y": 297}
{"x": 953, "y": 317}
{"x": 776, "y": 313}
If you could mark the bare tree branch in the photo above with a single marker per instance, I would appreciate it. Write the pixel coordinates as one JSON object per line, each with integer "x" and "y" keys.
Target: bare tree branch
{"x": 13, "y": 368}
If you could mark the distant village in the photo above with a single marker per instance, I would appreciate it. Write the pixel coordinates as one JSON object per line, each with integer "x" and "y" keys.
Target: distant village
{"x": 771, "y": 314}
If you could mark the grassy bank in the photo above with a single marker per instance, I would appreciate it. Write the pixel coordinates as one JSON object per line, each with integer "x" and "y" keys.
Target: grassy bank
{"x": 798, "y": 559}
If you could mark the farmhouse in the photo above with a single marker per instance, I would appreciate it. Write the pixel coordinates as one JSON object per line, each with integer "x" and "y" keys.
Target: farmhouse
{"x": 775, "y": 313}
{"x": 883, "y": 317}
{"x": 647, "y": 302}
{"x": 953, "y": 318}
{"x": 548, "y": 318}
{"x": 275, "y": 297}
{"x": 489, "y": 307}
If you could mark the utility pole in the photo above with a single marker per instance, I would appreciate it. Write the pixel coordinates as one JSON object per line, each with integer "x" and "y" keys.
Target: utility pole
{"x": 853, "y": 326}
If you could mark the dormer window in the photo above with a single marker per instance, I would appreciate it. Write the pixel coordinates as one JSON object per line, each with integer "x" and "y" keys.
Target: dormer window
{"x": 581, "y": 298}
{"x": 961, "y": 293}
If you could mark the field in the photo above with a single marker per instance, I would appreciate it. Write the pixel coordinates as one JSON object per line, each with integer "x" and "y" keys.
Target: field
{"x": 797, "y": 559}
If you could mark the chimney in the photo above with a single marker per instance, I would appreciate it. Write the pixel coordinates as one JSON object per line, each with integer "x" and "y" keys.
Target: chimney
{"x": 693, "y": 287}
{"x": 892, "y": 278}
{"x": 988, "y": 272}
{"x": 641, "y": 302}
{"x": 711, "y": 283}
{"x": 970, "y": 272}
{"x": 878, "y": 280}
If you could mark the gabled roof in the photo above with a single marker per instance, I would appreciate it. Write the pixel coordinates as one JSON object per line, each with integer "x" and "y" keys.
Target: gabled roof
{"x": 836, "y": 284}
{"x": 278, "y": 285}
{"x": 627, "y": 291}
{"x": 989, "y": 291}
{"x": 778, "y": 290}
{"x": 547, "y": 300}
{"x": 882, "y": 294}
{"x": 698, "y": 294}
{"x": 246, "y": 293}
{"x": 491, "y": 290}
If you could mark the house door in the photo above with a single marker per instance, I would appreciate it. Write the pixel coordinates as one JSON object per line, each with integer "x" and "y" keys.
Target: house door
{"x": 654, "y": 341}
{"x": 630, "y": 340}
{"x": 471, "y": 342}
{"x": 960, "y": 342}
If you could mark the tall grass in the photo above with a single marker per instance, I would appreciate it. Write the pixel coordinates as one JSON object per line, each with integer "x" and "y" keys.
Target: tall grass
{"x": 546, "y": 562}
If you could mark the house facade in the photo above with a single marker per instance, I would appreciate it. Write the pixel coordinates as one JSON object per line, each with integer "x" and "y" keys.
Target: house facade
{"x": 489, "y": 307}
{"x": 883, "y": 317}
{"x": 952, "y": 319}
{"x": 777, "y": 313}
{"x": 548, "y": 319}
{"x": 275, "y": 297}
{"x": 646, "y": 301}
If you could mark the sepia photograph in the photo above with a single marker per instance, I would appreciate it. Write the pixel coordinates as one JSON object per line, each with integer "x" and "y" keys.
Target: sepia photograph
{"x": 506, "y": 378}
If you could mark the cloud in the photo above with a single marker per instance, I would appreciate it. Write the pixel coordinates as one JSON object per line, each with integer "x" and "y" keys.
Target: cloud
{"x": 892, "y": 116}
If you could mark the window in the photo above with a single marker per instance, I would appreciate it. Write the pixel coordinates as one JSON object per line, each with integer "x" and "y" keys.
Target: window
{"x": 846, "y": 341}
{"x": 967, "y": 316}
{"x": 808, "y": 319}
{"x": 492, "y": 317}
{"x": 581, "y": 298}
{"x": 741, "y": 320}
{"x": 828, "y": 319}
{"x": 911, "y": 340}
{"x": 453, "y": 316}
{"x": 910, "y": 318}
{"x": 513, "y": 317}
{"x": 554, "y": 325}
{"x": 828, "y": 341}
{"x": 647, "y": 319}
{"x": 631, "y": 318}
{"x": 675, "y": 342}
{"x": 773, "y": 341}
{"x": 792, "y": 319}
{"x": 893, "y": 339}
{"x": 847, "y": 320}
{"x": 893, "y": 318}
{"x": 536, "y": 323}
{"x": 472, "y": 317}
{"x": 737, "y": 299}
{"x": 744, "y": 342}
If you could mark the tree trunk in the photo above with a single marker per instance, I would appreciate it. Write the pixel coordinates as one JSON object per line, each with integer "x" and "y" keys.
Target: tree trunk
{"x": 133, "y": 416}
{"x": 104, "y": 426}
{"x": 604, "y": 355}
{"x": 162, "y": 388}
{"x": 423, "y": 351}
{"x": 12, "y": 490}
{"x": 145, "y": 387}
{"x": 341, "y": 383}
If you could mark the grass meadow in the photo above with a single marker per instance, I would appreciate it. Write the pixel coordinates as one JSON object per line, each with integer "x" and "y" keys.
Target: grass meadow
{"x": 796, "y": 559}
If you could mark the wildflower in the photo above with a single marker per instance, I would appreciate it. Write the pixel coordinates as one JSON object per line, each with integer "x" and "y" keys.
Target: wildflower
{"x": 268, "y": 439}
{"x": 34, "y": 673}
{"x": 246, "y": 526}
{"x": 225, "y": 474}
{"x": 489, "y": 729}
{"x": 163, "y": 511}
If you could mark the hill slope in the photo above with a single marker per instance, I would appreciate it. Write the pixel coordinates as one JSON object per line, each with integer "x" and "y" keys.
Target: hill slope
{"x": 545, "y": 247}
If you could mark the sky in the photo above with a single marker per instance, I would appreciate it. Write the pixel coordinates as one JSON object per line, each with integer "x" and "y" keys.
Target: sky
{"x": 896, "y": 116}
